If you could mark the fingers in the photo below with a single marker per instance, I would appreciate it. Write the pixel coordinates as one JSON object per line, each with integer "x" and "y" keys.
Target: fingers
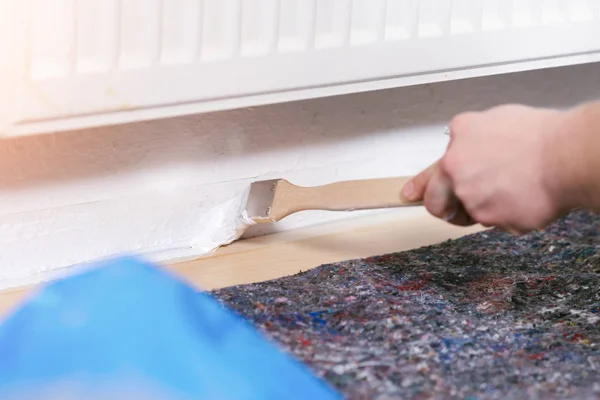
{"x": 441, "y": 202}
{"x": 414, "y": 190}
{"x": 435, "y": 189}
{"x": 462, "y": 217}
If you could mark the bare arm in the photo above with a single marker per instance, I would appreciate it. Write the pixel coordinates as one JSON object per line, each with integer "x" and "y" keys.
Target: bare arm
{"x": 584, "y": 146}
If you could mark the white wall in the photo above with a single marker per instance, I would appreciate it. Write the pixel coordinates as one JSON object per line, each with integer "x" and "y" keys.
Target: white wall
{"x": 163, "y": 187}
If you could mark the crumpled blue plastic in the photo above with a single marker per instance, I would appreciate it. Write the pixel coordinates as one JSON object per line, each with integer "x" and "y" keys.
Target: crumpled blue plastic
{"x": 125, "y": 329}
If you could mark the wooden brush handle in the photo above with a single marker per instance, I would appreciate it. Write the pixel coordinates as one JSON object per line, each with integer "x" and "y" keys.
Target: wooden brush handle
{"x": 340, "y": 196}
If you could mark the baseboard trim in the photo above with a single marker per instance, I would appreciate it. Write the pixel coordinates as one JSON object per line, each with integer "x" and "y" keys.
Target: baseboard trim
{"x": 286, "y": 253}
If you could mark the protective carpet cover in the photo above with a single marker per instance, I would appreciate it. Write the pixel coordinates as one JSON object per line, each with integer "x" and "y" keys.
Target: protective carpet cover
{"x": 486, "y": 316}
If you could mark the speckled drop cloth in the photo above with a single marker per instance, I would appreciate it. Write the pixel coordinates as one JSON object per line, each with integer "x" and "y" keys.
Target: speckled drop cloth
{"x": 485, "y": 316}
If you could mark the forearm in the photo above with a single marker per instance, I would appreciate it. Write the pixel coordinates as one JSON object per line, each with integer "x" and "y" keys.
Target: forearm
{"x": 580, "y": 159}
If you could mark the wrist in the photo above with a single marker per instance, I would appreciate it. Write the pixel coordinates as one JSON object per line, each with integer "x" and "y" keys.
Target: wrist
{"x": 570, "y": 159}
{"x": 588, "y": 116}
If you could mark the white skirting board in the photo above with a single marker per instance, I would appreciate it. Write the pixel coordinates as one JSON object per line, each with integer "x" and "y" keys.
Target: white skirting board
{"x": 71, "y": 64}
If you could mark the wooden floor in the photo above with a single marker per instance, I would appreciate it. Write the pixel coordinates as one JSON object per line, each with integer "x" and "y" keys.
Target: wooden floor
{"x": 286, "y": 253}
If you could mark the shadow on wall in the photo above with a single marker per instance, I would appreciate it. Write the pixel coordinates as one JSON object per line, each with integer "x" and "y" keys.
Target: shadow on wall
{"x": 204, "y": 139}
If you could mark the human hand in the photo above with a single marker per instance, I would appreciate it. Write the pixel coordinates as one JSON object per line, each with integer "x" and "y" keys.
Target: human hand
{"x": 504, "y": 167}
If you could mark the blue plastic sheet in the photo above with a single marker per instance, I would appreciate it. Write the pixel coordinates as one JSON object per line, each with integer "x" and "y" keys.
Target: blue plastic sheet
{"x": 129, "y": 330}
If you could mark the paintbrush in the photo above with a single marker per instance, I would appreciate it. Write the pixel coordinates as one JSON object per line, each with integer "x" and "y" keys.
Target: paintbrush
{"x": 272, "y": 200}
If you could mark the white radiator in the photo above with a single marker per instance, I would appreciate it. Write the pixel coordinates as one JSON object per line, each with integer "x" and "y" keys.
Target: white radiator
{"x": 69, "y": 64}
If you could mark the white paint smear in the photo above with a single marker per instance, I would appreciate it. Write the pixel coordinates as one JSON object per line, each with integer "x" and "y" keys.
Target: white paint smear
{"x": 223, "y": 225}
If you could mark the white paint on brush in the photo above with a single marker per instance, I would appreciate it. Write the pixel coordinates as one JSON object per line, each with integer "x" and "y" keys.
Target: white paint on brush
{"x": 174, "y": 188}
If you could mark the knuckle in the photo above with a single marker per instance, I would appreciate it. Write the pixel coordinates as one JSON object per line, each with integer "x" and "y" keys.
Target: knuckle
{"x": 448, "y": 164}
{"x": 453, "y": 167}
{"x": 460, "y": 122}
